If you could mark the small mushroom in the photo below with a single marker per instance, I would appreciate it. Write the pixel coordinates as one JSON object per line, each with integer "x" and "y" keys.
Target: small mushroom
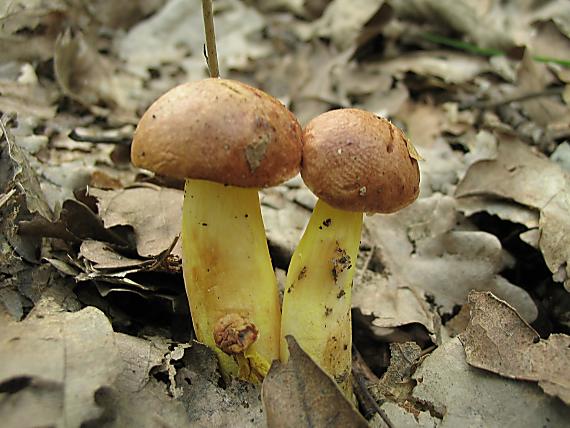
{"x": 227, "y": 140}
{"x": 355, "y": 162}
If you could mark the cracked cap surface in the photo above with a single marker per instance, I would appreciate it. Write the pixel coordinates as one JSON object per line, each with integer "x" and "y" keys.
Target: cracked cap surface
{"x": 357, "y": 161}
{"x": 219, "y": 130}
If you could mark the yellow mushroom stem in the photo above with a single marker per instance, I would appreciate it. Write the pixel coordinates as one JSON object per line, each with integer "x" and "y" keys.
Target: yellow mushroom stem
{"x": 229, "y": 278}
{"x": 316, "y": 304}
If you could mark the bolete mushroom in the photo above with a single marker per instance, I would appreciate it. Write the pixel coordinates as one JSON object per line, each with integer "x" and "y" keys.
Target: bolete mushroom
{"x": 355, "y": 162}
{"x": 227, "y": 140}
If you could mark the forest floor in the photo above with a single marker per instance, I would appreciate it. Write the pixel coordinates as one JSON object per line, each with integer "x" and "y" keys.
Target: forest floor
{"x": 461, "y": 304}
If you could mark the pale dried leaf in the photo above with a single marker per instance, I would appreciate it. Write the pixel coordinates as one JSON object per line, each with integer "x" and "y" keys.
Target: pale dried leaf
{"x": 343, "y": 20}
{"x": 545, "y": 111}
{"x": 461, "y": 395}
{"x": 529, "y": 178}
{"x": 64, "y": 359}
{"x": 27, "y": 99}
{"x": 139, "y": 357}
{"x": 92, "y": 79}
{"x": 392, "y": 304}
{"x": 418, "y": 247}
{"x": 486, "y": 24}
{"x": 503, "y": 209}
{"x": 451, "y": 67}
{"x": 401, "y": 418}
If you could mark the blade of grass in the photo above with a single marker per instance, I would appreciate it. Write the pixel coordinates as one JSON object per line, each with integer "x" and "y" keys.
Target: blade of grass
{"x": 469, "y": 47}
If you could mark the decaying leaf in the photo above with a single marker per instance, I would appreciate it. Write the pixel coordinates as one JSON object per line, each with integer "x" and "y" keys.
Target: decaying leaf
{"x": 461, "y": 395}
{"x": 499, "y": 340}
{"x": 300, "y": 394}
{"x": 396, "y": 384}
{"x": 206, "y": 403}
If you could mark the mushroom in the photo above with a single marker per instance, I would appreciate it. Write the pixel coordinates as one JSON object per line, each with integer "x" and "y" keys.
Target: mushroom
{"x": 226, "y": 140}
{"x": 355, "y": 162}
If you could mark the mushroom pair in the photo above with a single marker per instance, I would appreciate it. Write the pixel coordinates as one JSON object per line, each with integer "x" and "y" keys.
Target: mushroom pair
{"x": 227, "y": 140}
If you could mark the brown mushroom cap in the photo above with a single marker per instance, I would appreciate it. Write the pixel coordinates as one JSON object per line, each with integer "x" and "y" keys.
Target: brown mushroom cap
{"x": 219, "y": 130}
{"x": 357, "y": 161}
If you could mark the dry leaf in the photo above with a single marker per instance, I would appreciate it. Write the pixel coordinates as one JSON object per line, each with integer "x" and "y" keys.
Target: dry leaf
{"x": 300, "y": 394}
{"x": 546, "y": 112}
{"x": 498, "y": 340}
{"x": 52, "y": 365}
{"x": 486, "y": 24}
{"x": 451, "y": 67}
{"x": 419, "y": 248}
{"x": 93, "y": 80}
{"x": 529, "y": 178}
{"x": 392, "y": 304}
{"x": 207, "y": 404}
{"x": 396, "y": 384}
{"x": 461, "y": 395}
{"x": 343, "y": 20}
{"x": 155, "y": 213}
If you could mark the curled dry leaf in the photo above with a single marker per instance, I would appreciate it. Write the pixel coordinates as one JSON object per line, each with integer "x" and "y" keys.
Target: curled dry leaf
{"x": 153, "y": 212}
{"x": 300, "y": 394}
{"x": 522, "y": 175}
{"x": 499, "y": 340}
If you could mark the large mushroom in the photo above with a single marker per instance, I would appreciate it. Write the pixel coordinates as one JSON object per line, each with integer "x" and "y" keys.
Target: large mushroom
{"x": 355, "y": 162}
{"x": 227, "y": 140}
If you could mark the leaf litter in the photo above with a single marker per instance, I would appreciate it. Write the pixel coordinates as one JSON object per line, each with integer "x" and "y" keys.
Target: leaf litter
{"x": 482, "y": 91}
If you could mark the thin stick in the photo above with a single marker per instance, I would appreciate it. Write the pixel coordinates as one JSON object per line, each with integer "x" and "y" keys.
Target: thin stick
{"x": 549, "y": 92}
{"x": 211, "y": 54}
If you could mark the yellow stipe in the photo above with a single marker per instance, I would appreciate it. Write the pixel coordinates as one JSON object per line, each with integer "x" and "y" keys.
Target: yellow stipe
{"x": 316, "y": 304}
{"x": 227, "y": 269}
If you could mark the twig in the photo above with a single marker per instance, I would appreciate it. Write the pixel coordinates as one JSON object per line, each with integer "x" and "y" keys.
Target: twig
{"x": 483, "y": 104}
{"x": 361, "y": 372}
{"x": 211, "y": 53}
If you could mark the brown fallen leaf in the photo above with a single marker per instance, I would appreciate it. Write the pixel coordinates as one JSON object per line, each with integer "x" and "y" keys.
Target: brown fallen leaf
{"x": 499, "y": 340}
{"x": 300, "y": 394}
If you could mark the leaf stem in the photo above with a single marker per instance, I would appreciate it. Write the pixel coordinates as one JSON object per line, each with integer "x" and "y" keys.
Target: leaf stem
{"x": 211, "y": 53}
